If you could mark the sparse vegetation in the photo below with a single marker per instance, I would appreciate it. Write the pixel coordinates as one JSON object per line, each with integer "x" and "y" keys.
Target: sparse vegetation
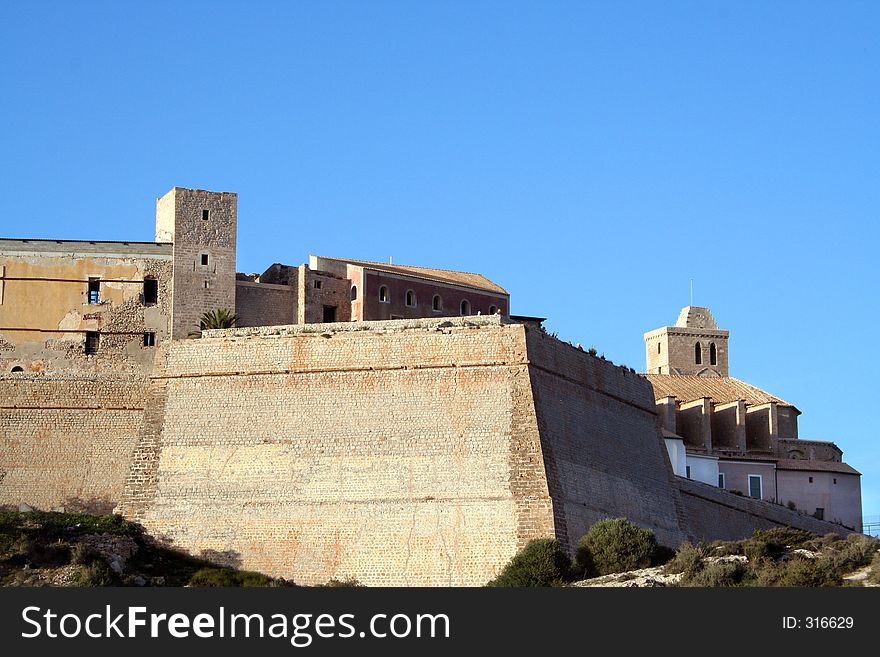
{"x": 58, "y": 549}
{"x": 542, "y": 562}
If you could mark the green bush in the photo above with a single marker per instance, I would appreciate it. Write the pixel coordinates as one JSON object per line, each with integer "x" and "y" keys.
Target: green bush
{"x": 857, "y": 551}
{"x": 226, "y": 577}
{"x": 784, "y": 536}
{"x": 717, "y": 574}
{"x": 615, "y": 545}
{"x": 688, "y": 561}
{"x": 810, "y": 572}
{"x": 874, "y": 577}
{"x": 542, "y": 562}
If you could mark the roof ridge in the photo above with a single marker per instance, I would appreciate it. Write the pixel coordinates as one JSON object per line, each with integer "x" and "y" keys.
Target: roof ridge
{"x": 395, "y": 264}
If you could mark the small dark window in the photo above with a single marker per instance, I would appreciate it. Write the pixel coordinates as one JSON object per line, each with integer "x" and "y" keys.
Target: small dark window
{"x": 354, "y": 292}
{"x": 317, "y": 285}
{"x": 713, "y": 354}
{"x": 811, "y": 480}
{"x": 151, "y": 291}
{"x": 329, "y": 314}
{"x": 493, "y": 310}
{"x": 383, "y": 294}
{"x": 437, "y": 302}
{"x": 204, "y": 260}
{"x": 149, "y": 339}
{"x": 698, "y": 354}
{"x": 820, "y": 513}
{"x": 94, "y": 290}
{"x": 835, "y": 480}
{"x": 720, "y": 480}
{"x": 205, "y": 214}
{"x": 410, "y": 298}
{"x": 206, "y": 285}
{"x": 21, "y": 369}
{"x": 465, "y": 307}
{"x": 687, "y": 471}
{"x": 92, "y": 341}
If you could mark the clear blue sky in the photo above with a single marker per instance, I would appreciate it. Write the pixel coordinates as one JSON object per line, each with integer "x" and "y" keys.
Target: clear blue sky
{"x": 591, "y": 157}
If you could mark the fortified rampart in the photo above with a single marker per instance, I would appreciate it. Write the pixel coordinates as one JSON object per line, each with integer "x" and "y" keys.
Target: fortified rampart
{"x": 402, "y": 452}
{"x": 411, "y": 452}
{"x": 67, "y": 440}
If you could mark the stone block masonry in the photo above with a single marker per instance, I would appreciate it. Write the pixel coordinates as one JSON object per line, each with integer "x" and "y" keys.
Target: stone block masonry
{"x": 67, "y": 440}
{"x": 398, "y": 453}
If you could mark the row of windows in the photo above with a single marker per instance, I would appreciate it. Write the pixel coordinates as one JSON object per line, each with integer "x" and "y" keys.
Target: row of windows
{"x": 151, "y": 290}
{"x": 93, "y": 341}
{"x": 436, "y": 301}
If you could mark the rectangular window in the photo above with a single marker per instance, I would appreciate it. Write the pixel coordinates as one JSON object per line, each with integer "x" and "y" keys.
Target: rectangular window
{"x": 755, "y": 488}
{"x": 811, "y": 480}
{"x": 92, "y": 340}
{"x": 687, "y": 471}
{"x": 835, "y": 480}
{"x": 94, "y": 289}
{"x": 820, "y": 513}
{"x": 151, "y": 291}
{"x": 329, "y": 314}
{"x": 720, "y": 480}
{"x": 317, "y": 285}
{"x": 149, "y": 339}
{"x": 205, "y": 214}
{"x": 204, "y": 260}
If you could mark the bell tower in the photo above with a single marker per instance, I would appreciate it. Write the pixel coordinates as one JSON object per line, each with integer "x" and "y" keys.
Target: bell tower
{"x": 694, "y": 346}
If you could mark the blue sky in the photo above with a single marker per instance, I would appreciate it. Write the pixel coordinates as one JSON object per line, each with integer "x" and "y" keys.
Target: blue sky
{"x": 591, "y": 157}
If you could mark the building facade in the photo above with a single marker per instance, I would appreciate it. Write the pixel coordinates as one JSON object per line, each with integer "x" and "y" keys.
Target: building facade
{"x": 99, "y": 306}
{"x": 727, "y": 433}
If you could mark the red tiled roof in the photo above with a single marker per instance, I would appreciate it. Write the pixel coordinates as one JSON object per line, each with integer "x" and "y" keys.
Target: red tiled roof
{"x": 721, "y": 389}
{"x": 815, "y": 466}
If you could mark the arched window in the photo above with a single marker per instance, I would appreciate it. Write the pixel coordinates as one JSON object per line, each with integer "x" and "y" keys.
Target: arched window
{"x": 354, "y": 292}
{"x": 410, "y": 298}
{"x": 437, "y": 302}
{"x": 383, "y": 294}
{"x": 493, "y": 310}
{"x": 465, "y": 307}
{"x": 151, "y": 290}
{"x": 698, "y": 354}
{"x": 17, "y": 368}
{"x": 713, "y": 354}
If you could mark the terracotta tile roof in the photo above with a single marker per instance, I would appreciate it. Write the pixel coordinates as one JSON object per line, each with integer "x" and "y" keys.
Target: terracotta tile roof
{"x": 721, "y": 389}
{"x": 467, "y": 279}
{"x": 815, "y": 466}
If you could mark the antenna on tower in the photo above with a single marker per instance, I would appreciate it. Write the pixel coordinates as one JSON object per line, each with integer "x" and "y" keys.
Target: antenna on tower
{"x": 692, "y": 291}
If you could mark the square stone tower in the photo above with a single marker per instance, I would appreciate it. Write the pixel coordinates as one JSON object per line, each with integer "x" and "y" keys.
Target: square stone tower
{"x": 202, "y": 227}
{"x": 695, "y": 346}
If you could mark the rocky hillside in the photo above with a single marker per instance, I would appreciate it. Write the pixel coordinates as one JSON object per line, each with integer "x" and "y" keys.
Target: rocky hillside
{"x": 778, "y": 557}
{"x": 76, "y": 549}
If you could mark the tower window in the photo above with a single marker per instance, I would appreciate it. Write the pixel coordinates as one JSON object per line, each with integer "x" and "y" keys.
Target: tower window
{"x": 410, "y": 298}
{"x": 94, "y": 289}
{"x": 383, "y": 294}
{"x": 658, "y": 347}
{"x": 205, "y": 214}
{"x": 317, "y": 285}
{"x": 149, "y": 339}
{"x": 437, "y": 303}
{"x": 698, "y": 354}
{"x": 151, "y": 291}
{"x": 713, "y": 354}
{"x": 92, "y": 341}
{"x": 465, "y": 307}
{"x": 354, "y": 292}
{"x": 204, "y": 257}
